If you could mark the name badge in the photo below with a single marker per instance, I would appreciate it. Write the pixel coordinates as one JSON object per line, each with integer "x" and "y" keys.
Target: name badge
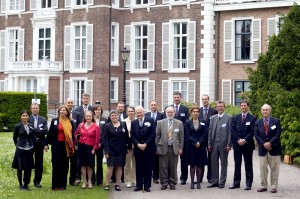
{"x": 201, "y": 123}
{"x": 247, "y": 123}
{"x": 147, "y": 124}
{"x": 176, "y": 130}
{"x": 55, "y": 122}
{"x": 123, "y": 130}
{"x": 41, "y": 125}
{"x": 223, "y": 125}
{"x": 74, "y": 121}
{"x": 273, "y": 127}
{"x": 182, "y": 114}
{"x": 102, "y": 122}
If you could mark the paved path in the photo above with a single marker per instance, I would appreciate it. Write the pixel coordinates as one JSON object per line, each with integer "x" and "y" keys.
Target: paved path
{"x": 289, "y": 186}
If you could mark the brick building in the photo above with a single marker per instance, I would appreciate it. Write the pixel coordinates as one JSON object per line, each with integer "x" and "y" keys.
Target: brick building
{"x": 66, "y": 47}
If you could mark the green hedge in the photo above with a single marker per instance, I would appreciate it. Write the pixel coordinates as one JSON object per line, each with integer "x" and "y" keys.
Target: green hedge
{"x": 12, "y": 103}
{"x": 3, "y": 122}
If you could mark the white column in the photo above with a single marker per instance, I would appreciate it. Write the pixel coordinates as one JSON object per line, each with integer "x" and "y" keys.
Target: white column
{"x": 207, "y": 63}
{"x": 10, "y": 83}
{"x": 17, "y": 86}
{"x": 43, "y": 84}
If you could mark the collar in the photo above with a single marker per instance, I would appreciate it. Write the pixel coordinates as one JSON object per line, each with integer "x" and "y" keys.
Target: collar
{"x": 221, "y": 115}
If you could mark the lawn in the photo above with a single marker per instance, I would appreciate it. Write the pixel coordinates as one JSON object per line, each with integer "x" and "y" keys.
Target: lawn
{"x": 9, "y": 186}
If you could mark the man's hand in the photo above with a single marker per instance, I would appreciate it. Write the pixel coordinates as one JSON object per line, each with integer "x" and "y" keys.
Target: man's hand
{"x": 268, "y": 146}
{"x": 106, "y": 156}
{"x": 46, "y": 148}
{"x": 197, "y": 145}
{"x": 227, "y": 149}
{"x": 241, "y": 142}
{"x": 180, "y": 151}
{"x": 209, "y": 148}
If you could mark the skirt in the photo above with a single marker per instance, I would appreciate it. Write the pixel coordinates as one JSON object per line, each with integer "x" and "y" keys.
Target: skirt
{"x": 85, "y": 155}
{"x": 23, "y": 159}
{"x": 116, "y": 161}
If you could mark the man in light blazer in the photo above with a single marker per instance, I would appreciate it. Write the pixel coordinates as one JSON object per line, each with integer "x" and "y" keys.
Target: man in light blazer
{"x": 143, "y": 138}
{"x": 40, "y": 130}
{"x": 219, "y": 144}
{"x": 242, "y": 132}
{"x": 169, "y": 144}
{"x": 267, "y": 132}
{"x": 205, "y": 113}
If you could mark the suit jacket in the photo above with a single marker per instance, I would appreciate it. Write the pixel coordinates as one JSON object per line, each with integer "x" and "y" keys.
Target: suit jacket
{"x": 41, "y": 130}
{"x": 161, "y": 138}
{"x": 76, "y": 117}
{"x": 159, "y": 116}
{"x": 196, "y": 135}
{"x": 21, "y": 138}
{"x": 183, "y": 113}
{"x": 211, "y": 112}
{"x": 243, "y": 131}
{"x": 80, "y": 110}
{"x": 101, "y": 124}
{"x": 144, "y": 134}
{"x": 273, "y": 136}
{"x": 225, "y": 131}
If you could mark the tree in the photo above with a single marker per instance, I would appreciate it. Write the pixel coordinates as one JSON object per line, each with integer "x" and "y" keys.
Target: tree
{"x": 276, "y": 81}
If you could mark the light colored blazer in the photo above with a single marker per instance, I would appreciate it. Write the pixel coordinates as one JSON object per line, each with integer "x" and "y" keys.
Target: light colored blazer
{"x": 225, "y": 130}
{"x": 161, "y": 139}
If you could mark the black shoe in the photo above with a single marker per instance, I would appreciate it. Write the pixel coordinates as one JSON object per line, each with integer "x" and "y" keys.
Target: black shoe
{"x": 247, "y": 188}
{"x": 213, "y": 185}
{"x": 122, "y": 181}
{"x": 147, "y": 189}
{"x": 234, "y": 187}
{"x": 99, "y": 183}
{"x": 38, "y": 185}
{"x": 137, "y": 189}
{"x": 192, "y": 185}
{"x": 117, "y": 188}
{"x": 198, "y": 185}
{"x": 26, "y": 188}
{"x": 221, "y": 186}
{"x": 183, "y": 182}
{"x": 210, "y": 181}
{"x": 21, "y": 188}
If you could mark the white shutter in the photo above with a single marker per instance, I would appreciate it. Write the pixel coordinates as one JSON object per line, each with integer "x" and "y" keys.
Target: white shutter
{"x": 127, "y": 3}
{"x": 165, "y": 94}
{"x": 3, "y": 6}
{"x": 90, "y": 2}
{"x": 89, "y": 47}
{"x": 226, "y": 91}
{"x": 128, "y": 102}
{"x": 22, "y": 5}
{"x": 127, "y": 44}
{"x": 67, "y": 48}
{"x": 89, "y": 89}
{"x": 256, "y": 39}
{"x": 165, "y": 46}
{"x": 2, "y": 85}
{"x": 54, "y": 3}
{"x": 191, "y": 45}
{"x": 191, "y": 91}
{"x": 165, "y": 1}
{"x": 151, "y": 2}
{"x": 151, "y": 47}
{"x": 68, "y": 3}
{"x": 228, "y": 26}
{"x": 21, "y": 45}
{"x": 271, "y": 27}
{"x": 2, "y": 50}
{"x": 151, "y": 90}
{"x": 33, "y": 4}
{"x": 67, "y": 89}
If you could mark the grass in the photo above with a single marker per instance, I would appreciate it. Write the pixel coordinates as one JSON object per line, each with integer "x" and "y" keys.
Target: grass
{"x": 9, "y": 186}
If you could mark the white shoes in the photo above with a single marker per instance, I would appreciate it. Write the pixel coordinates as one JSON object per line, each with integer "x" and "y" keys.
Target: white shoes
{"x": 128, "y": 185}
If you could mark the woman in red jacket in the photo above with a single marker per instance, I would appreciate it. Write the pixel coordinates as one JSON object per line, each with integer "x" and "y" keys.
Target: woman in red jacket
{"x": 89, "y": 133}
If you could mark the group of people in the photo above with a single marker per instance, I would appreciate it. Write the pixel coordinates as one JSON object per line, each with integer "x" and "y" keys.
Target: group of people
{"x": 141, "y": 147}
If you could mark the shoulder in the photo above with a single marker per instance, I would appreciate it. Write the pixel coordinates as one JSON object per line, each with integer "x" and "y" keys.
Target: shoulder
{"x": 274, "y": 119}
{"x": 147, "y": 114}
{"x": 237, "y": 116}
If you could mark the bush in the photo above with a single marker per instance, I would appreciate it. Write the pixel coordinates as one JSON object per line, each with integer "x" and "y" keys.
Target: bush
{"x": 3, "y": 122}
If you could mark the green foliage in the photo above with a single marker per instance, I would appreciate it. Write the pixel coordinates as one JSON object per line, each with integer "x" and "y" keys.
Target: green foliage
{"x": 3, "y": 121}
{"x": 276, "y": 81}
{"x": 229, "y": 109}
{"x": 12, "y": 103}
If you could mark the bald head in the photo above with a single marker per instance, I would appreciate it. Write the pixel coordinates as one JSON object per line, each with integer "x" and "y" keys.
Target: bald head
{"x": 69, "y": 103}
{"x": 139, "y": 111}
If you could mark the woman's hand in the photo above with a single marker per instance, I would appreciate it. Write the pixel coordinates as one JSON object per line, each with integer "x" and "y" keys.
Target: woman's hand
{"x": 46, "y": 148}
{"x": 107, "y": 156}
{"x": 93, "y": 152}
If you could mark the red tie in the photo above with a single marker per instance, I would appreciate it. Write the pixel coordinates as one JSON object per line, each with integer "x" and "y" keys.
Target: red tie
{"x": 266, "y": 126}
{"x": 243, "y": 119}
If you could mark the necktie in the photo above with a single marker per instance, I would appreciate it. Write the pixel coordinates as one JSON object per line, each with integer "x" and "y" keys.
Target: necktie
{"x": 176, "y": 109}
{"x": 35, "y": 122}
{"x": 141, "y": 123}
{"x": 205, "y": 114}
{"x": 85, "y": 109}
{"x": 243, "y": 119}
{"x": 170, "y": 129}
{"x": 266, "y": 126}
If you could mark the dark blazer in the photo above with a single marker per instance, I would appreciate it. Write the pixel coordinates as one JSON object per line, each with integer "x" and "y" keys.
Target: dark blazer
{"x": 183, "y": 113}
{"x": 211, "y": 112}
{"x": 159, "y": 116}
{"x": 273, "y": 136}
{"x": 21, "y": 138}
{"x": 243, "y": 131}
{"x": 196, "y": 135}
{"x": 145, "y": 134}
{"x": 80, "y": 110}
{"x": 76, "y": 117}
{"x": 41, "y": 130}
{"x": 53, "y": 131}
{"x": 101, "y": 124}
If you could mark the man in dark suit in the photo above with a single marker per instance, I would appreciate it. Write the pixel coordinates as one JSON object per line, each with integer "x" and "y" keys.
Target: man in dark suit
{"x": 85, "y": 99}
{"x": 143, "y": 138}
{"x": 182, "y": 114}
{"x": 156, "y": 117}
{"x": 219, "y": 144}
{"x": 40, "y": 130}
{"x": 267, "y": 132}
{"x": 242, "y": 132}
{"x": 205, "y": 113}
{"x": 75, "y": 173}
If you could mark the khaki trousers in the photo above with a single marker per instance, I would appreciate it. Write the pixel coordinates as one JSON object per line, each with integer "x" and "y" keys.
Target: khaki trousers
{"x": 273, "y": 162}
{"x": 168, "y": 168}
{"x": 129, "y": 169}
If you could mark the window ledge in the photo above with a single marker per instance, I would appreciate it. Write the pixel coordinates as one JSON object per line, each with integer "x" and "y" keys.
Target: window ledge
{"x": 78, "y": 71}
{"x": 179, "y": 71}
{"x": 242, "y": 62}
{"x": 139, "y": 72}
{"x": 115, "y": 64}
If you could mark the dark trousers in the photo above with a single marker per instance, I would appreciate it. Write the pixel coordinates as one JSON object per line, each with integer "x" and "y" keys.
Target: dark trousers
{"x": 184, "y": 165}
{"x": 208, "y": 176}
{"x": 38, "y": 162}
{"x": 26, "y": 178}
{"x": 113, "y": 176}
{"x": 155, "y": 170}
{"x": 60, "y": 166}
{"x": 74, "y": 168}
{"x": 99, "y": 172}
{"x": 247, "y": 154}
{"x": 144, "y": 165}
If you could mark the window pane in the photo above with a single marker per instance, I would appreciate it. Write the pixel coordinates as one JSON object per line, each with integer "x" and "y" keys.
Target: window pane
{"x": 41, "y": 33}
{"x": 48, "y": 32}
{"x": 184, "y": 28}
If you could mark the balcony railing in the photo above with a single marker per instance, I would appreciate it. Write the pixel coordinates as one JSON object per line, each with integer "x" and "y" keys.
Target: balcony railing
{"x": 54, "y": 66}
{"x": 237, "y": 1}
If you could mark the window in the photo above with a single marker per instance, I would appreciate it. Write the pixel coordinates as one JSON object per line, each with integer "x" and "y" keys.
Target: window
{"x": 140, "y": 54}
{"x": 115, "y": 43}
{"x": 13, "y": 45}
{"x": 179, "y": 45}
{"x": 280, "y": 23}
{"x": 239, "y": 87}
{"x": 140, "y": 93}
{"x": 141, "y": 2}
{"x": 14, "y": 5}
{"x": 78, "y": 86}
{"x": 44, "y": 43}
{"x": 114, "y": 89}
{"x": 81, "y": 2}
{"x": 31, "y": 85}
{"x": 242, "y": 39}
{"x": 46, "y": 4}
{"x": 80, "y": 47}
{"x": 180, "y": 86}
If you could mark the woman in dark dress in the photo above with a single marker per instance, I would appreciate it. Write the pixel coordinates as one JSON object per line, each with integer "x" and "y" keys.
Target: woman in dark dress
{"x": 60, "y": 138}
{"x": 100, "y": 121}
{"x": 115, "y": 147}
{"x": 24, "y": 140}
{"x": 196, "y": 132}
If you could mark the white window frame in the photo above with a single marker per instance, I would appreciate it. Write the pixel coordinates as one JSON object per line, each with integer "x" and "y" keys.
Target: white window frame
{"x": 37, "y": 4}
{"x": 72, "y": 89}
{"x": 82, "y": 61}
{"x": 33, "y": 81}
{"x": 115, "y": 45}
{"x": 3, "y": 85}
{"x": 237, "y": 92}
{"x": 73, "y": 4}
{"x": 145, "y": 105}
{"x": 174, "y": 2}
{"x": 115, "y": 3}
{"x": 173, "y": 44}
{"x": 44, "y": 39}
{"x": 15, "y": 42}
{"x": 21, "y": 41}
{"x": 115, "y": 89}
{"x": 183, "y": 79}
{"x": 140, "y": 38}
